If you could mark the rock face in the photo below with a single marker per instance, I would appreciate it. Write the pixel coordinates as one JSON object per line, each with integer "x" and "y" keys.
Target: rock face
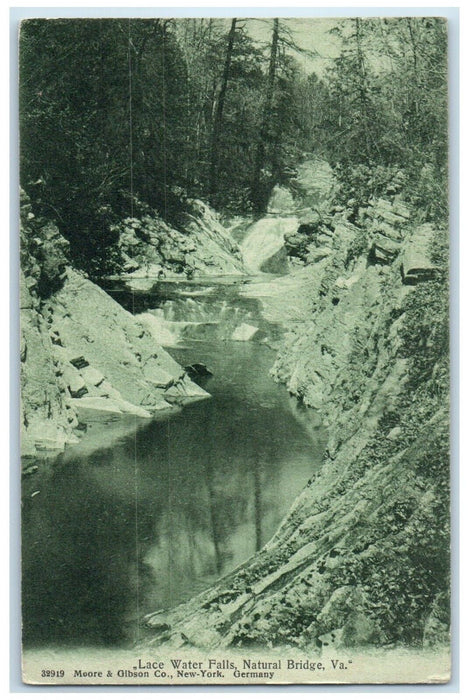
{"x": 314, "y": 182}
{"x": 417, "y": 265}
{"x": 281, "y": 201}
{"x": 115, "y": 344}
{"x": 387, "y": 223}
{"x": 214, "y": 249}
{"x": 362, "y": 558}
{"x": 311, "y": 241}
{"x": 199, "y": 246}
{"x": 43, "y": 252}
{"x": 47, "y": 417}
{"x": 81, "y": 350}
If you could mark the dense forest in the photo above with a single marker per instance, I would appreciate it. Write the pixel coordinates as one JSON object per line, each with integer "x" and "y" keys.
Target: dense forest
{"x": 118, "y": 115}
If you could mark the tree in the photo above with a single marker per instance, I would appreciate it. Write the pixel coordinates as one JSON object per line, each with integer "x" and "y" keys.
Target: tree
{"x": 217, "y": 121}
{"x": 116, "y": 112}
{"x": 258, "y": 197}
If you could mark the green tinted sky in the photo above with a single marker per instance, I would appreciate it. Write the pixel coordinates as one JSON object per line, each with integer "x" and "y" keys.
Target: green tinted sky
{"x": 307, "y": 33}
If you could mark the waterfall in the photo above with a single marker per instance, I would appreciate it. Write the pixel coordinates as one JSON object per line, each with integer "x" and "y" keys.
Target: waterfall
{"x": 265, "y": 238}
{"x": 187, "y": 320}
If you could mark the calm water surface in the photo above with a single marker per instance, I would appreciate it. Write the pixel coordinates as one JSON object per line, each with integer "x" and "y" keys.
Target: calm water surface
{"x": 164, "y": 506}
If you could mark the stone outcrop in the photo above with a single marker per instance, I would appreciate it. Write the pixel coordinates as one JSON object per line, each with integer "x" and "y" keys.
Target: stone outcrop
{"x": 386, "y": 221}
{"x": 314, "y": 183}
{"x": 80, "y": 350}
{"x": 200, "y": 245}
{"x": 417, "y": 265}
{"x": 43, "y": 252}
{"x": 83, "y": 351}
{"x": 281, "y": 202}
{"x": 47, "y": 416}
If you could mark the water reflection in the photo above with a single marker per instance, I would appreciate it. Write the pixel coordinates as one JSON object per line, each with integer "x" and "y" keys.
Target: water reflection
{"x": 163, "y": 511}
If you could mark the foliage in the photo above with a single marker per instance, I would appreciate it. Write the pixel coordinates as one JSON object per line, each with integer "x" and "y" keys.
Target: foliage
{"x": 357, "y": 247}
{"x": 113, "y": 109}
{"x": 387, "y": 100}
{"x": 425, "y": 335}
{"x": 162, "y": 109}
{"x": 410, "y": 570}
{"x": 357, "y": 184}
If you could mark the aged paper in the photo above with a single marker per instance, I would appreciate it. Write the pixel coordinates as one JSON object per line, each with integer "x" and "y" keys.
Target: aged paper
{"x": 234, "y": 351}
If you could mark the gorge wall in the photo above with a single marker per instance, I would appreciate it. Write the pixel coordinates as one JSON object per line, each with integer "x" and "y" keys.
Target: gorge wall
{"x": 201, "y": 245}
{"x": 80, "y": 350}
{"x": 363, "y": 556}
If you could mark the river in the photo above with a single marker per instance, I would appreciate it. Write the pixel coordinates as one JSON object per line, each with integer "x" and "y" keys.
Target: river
{"x": 143, "y": 514}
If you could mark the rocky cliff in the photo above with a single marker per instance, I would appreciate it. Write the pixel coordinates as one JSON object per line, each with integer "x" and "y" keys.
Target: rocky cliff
{"x": 199, "y": 245}
{"x": 363, "y": 556}
{"x": 80, "y": 350}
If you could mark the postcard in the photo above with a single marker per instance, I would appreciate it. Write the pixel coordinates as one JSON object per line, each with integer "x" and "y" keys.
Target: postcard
{"x": 235, "y": 374}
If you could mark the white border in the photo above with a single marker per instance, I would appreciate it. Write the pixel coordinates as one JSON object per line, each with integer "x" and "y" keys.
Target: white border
{"x": 210, "y": 8}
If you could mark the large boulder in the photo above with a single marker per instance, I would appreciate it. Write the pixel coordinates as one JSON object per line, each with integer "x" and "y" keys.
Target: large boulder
{"x": 244, "y": 332}
{"x": 417, "y": 265}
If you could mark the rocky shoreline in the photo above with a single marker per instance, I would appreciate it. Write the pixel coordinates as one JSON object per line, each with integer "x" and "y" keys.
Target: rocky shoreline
{"x": 355, "y": 561}
{"x": 83, "y": 351}
{"x": 80, "y": 350}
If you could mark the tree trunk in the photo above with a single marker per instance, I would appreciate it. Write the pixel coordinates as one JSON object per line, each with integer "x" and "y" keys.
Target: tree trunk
{"x": 413, "y": 43}
{"x": 256, "y": 195}
{"x": 362, "y": 86}
{"x": 218, "y": 118}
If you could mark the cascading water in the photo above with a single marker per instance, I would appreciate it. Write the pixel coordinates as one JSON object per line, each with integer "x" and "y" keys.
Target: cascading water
{"x": 265, "y": 239}
{"x": 210, "y": 483}
{"x": 178, "y": 321}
